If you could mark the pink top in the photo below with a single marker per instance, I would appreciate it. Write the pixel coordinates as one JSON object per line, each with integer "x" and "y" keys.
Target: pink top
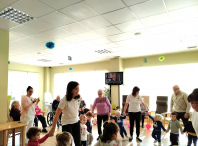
{"x": 37, "y": 143}
{"x": 27, "y": 107}
{"x": 38, "y": 113}
{"x": 103, "y": 106}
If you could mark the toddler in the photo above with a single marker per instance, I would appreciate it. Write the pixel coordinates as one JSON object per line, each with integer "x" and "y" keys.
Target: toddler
{"x": 33, "y": 135}
{"x": 191, "y": 133}
{"x": 157, "y": 126}
{"x": 89, "y": 128}
{"x": 109, "y": 137}
{"x": 83, "y": 130}
{"x": 174, "y": 127}
{"x": 64, "y": 139}
{"x": 119, "y": 120}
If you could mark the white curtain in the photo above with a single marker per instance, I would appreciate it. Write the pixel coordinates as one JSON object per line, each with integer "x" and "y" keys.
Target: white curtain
{"x": 89, "y": 82}
{"x": 159, "y": 80}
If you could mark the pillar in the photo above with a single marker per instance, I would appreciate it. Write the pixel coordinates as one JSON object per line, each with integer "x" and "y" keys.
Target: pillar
{"x": 116, "y": 65}
{"x": 4, "y": 52}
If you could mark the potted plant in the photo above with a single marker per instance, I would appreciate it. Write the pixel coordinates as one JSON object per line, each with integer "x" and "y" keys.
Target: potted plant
{"x": 106, "y": 93}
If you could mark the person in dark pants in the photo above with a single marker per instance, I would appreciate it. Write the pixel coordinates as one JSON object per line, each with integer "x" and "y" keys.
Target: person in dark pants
{"x": 180, "y": 105}
{"x": 82, "y": 106}
{"x": 192, "y": 136}
{"x": 134, "y": 100}
{"x": 41, "y": 118}
{"x": 174, "y": 126}
{"x": 15, "y": 113}
{"x": 55, "y": 105}
{"x": 103, "y": 110}
{"x": 157, "y": 126}
{"x": 69, "y": 106}
{"x": 143, "y": 112}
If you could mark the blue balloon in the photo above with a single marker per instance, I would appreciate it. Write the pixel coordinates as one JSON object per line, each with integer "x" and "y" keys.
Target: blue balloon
{"x": 50, "y": 45}
{"x": 70, "y": 68}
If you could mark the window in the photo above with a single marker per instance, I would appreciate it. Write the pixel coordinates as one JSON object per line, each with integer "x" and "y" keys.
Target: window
{"x": 18, "y": 83}
{"x": 89, "y": 82}
{"x": 158, "y": 81}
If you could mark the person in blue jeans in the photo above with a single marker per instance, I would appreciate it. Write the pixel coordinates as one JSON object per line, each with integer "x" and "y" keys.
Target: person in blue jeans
{"x": 157, "y": 126}
{"x": 119, "y": 120}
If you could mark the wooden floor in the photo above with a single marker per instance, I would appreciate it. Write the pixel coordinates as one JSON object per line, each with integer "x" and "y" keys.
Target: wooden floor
{"x": 145, "y": 136}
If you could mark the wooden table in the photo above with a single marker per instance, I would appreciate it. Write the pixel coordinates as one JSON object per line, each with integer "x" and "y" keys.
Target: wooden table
{"x": 12, "y": 126}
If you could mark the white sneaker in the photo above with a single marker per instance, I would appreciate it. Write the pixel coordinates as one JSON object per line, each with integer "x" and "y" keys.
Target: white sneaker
{"x": 155, "y": 141}
{"x": 159, "y": 143}
{"x": 126, "y": 138}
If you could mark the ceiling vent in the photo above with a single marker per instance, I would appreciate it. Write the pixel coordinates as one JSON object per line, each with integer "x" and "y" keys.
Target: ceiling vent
{"x": 103, "y": 51}
{"x": 15, "y": 15}
{"x": 44, "y": 60}
{"x": 192, "y": 47}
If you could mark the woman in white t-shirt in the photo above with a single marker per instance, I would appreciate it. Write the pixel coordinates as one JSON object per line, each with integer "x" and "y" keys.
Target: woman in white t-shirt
{"x": 193, "y": 99}
{"x": 134, "y": 100}
{"x": 28, "y": 105}
{"x": 69, "y": 106}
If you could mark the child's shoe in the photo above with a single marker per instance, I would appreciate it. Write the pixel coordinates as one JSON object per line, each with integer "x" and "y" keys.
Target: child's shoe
{"x": 155, "y": 141}
{"x": 126, "y": 137}
{"x": 159, "y": 143}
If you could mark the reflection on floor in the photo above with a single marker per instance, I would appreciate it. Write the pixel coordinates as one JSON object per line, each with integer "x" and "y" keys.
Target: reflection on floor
{"x": 145, "y": 136}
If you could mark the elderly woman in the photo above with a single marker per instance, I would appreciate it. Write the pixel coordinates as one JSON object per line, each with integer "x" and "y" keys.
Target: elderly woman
{"x": 193, "y": 99}
{"x": 103, "y": 110}
{"x": 134, "y": 100}
{"x": 15, "y": 113}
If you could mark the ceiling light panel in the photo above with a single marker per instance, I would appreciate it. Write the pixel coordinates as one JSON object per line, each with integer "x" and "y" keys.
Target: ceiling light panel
{"x": 15, "y": 15}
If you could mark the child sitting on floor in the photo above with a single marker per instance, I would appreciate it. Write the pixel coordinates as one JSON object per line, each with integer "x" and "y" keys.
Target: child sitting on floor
{"x": 157, "y": 126}
{"x": 109, "y": 137}
{"x": 174, "y": 126}
{"x": 33, "y": 135}
{"x": 119, "y": 120}
{"x": 64, "y": 139}
{"x": 191, "y": 133}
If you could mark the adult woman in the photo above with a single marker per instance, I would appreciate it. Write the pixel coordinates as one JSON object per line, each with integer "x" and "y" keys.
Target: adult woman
{"x": 82, "y": 106}
{"x": 69, "y": 106}
{"x": 134, "y": 101}
{"x": 193, "y": 99}
{"x": 103, "y": 110}
{"x": 15, "y": 112}
{"x": 28, "y": 105}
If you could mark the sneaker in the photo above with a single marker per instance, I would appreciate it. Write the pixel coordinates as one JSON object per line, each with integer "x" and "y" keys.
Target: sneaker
{"x": 142, "y": 126}
{"x": 155, "y": 141}
{"x": 130, "y": 138}
{"x": 159, "y": 143}
{"x": 123, "y": 138}
{"x": 138, "y": 139}
{"x": 98, "y": 138}
{"x": 44, "y": 130}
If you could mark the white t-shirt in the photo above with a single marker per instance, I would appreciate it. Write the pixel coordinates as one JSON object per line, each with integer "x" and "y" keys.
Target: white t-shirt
{"x": 69, "y": 110}
{"x": 84, "y": 132}
{"x": 195, "y": 121}
{"x": 134, "y": 103}
{"x": 111, "y": 143}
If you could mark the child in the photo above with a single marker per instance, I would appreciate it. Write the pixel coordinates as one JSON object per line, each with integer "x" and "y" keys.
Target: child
{"x": 109, "y": 137}
{"x": 119, "y": 120}
{"x": 157, "y": 126}
{"x": 83, "y": 130}
{"x": 191, "y": 133}
{"x": 89, "y": 128}
{"x": 33, "y": 135}
{"x": 174, "y": 126}
{"x": 64, "y": 139}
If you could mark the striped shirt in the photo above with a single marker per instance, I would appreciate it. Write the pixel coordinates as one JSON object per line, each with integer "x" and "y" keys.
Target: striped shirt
{"x": 179, "y": 102}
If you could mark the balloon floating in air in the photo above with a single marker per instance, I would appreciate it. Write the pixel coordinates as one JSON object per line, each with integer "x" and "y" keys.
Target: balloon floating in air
{"x": 161, "y": 58}
{"x": 70, "y": 68}
{"x": 50, "y": 45}
{"x": 145, "y": 60}
{"x": 148, "y": 126}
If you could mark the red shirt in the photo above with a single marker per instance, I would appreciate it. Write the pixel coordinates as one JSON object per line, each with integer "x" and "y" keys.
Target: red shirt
{"x": 37, "y": 143}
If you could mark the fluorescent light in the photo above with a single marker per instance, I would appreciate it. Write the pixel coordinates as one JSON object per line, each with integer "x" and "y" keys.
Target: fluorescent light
{"x": 15, "y": 15}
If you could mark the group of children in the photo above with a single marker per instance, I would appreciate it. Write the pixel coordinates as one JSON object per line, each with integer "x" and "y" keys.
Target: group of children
{"x": 111, "y": 129}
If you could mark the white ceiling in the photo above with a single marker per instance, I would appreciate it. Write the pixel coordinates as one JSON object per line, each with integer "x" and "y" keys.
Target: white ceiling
{"x": 80, "y": 27}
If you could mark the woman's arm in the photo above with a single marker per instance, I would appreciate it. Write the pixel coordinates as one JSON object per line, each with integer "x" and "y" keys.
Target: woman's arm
{"x": 125, "y": 107}
{"x": 94, "y": 105}
{"x": 25, "y": 103}
{"x": 56, "y": 117}
{"x": 108, "y": 104}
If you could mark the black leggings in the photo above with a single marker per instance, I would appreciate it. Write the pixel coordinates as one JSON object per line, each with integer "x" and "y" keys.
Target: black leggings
{"x": 142, "y": 118}
{"x": 192, "y": 138}
{"x": 41, "y": 119}
{"x": 84, "y": 143}
{"x": 74, "y": 129}
{"x": 103, "y": 118}
{"x": 134, "y": 116}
